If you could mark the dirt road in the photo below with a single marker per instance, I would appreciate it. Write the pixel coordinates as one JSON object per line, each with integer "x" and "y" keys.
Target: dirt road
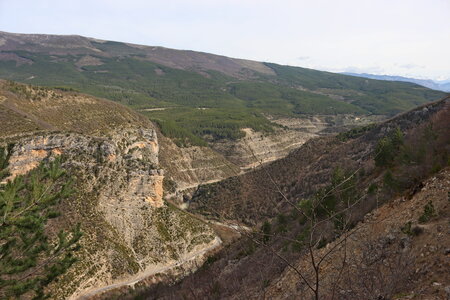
{"x": 147, "y": 273}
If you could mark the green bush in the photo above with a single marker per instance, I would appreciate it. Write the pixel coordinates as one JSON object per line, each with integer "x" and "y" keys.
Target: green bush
{"x": 355, "y": 132}
{"x": 372, "y": 188}
{"x": 339, "y": 222}
{"x": 322, "y": 243}
{"x": 390, "y": 183}
{"x": 5, "y": 154}
{"x": 282, "y": 223}
{"x": 169, "y": 185}
{"x": 388, "y": 148}
{"x": 300, "y": 240}
{"x": 410, "y": 230}
{"x": 266, "y": 230}
{"x": 428, "y": 212}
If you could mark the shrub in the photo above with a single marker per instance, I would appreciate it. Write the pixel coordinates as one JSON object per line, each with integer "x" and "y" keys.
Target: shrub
{"x": 389, "y": 180}
{"x": 297, "y": 245}
{"x": 266, "y": 229}
{"x": 411, "y": 230}
{"x": 372, "y": 188}
{"x": 355, "y": 132}
{"x": 322, "y": 243}
{"x": 306, "y": 206}
{"x": 416, "y": 230}
{"x": 388, "y": 148}
{"x": 169, "y": 185}
{"x": 339, "y": 222}
{"x": 5, "y": 154}
{"x": 428, "y": 212}
{"x": 406, "y": 229}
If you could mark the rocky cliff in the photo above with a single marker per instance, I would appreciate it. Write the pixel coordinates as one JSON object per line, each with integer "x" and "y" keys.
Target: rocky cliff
{"x": 113, "y": 159}
{"x": 190, "y": 166}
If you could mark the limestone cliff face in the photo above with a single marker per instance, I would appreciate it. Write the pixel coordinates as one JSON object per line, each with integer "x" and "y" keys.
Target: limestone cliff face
{"x": 325, "y": 124}
{"x": 257, "y": 148}
{"x": 128, "y": 228}
{"x": 188, "y": 167}
{"x": 136, "y": 151}
{"x": 191, "y": 166}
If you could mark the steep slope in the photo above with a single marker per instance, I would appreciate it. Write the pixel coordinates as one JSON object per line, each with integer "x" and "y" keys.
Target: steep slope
{"x": 391, "y": 248}
{"x": 373, "y": 199}
{"x": 112, "y": 154}
{"x": 390, "y": 254}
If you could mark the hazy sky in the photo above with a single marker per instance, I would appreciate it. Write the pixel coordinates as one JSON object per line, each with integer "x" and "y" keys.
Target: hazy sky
{"x": 395, "y": 37}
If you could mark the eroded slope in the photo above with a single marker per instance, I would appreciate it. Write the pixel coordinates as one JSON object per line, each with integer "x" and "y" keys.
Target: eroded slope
{"x": 113, "y": 155}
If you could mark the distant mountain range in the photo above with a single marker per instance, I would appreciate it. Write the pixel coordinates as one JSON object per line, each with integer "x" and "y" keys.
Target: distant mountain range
{"x": 441, "y": 85}
{"x": 198, "y": 98}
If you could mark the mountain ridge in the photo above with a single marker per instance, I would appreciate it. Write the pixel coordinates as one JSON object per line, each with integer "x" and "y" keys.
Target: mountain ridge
{"x": 70, "y": 44}
{"x": 443, "y": 85}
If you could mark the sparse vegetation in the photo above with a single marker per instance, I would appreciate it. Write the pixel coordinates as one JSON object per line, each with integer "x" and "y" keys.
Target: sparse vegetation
{"x": 389, "y": 148}
{"x": 411, "y": 230}
{"x": 266, "y": 230}
{"x": 355, "y": 132}
{"x": 373, "y": 187}
{"x": 341, "y": 199}
{"x": 428, "y": 212}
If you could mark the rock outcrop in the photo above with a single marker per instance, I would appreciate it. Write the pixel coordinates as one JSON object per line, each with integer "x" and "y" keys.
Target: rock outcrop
{"x": 113, "y": 159}
{"x": 257, "y": 148}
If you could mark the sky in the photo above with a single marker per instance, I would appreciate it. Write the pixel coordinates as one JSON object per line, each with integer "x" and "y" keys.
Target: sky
{"x": 393, "y": 37}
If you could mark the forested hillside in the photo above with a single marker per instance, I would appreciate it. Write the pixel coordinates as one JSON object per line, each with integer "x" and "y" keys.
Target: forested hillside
{"x": 199, "y": 96}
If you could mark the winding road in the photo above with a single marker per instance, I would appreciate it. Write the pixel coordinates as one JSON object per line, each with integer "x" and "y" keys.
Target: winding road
{"x": 148, "y": 273}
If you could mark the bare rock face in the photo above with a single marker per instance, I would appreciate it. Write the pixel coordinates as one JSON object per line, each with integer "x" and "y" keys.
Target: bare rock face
{"x": 128, "y": 228}
{"x": 137, "y": 150}
{"x": 325, "y": 124}
{"x": 28, "y": 153}
{"x": 257, "y": 148}
{"x": 190, "y": 166}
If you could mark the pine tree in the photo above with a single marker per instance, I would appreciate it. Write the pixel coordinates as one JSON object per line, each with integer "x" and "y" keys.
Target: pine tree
{"x": 31, "y": 258}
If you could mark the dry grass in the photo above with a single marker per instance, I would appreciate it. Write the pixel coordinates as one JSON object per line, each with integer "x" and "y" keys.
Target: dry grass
{"x": 12, "y": 123}
{"x": 27, "y": 108}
